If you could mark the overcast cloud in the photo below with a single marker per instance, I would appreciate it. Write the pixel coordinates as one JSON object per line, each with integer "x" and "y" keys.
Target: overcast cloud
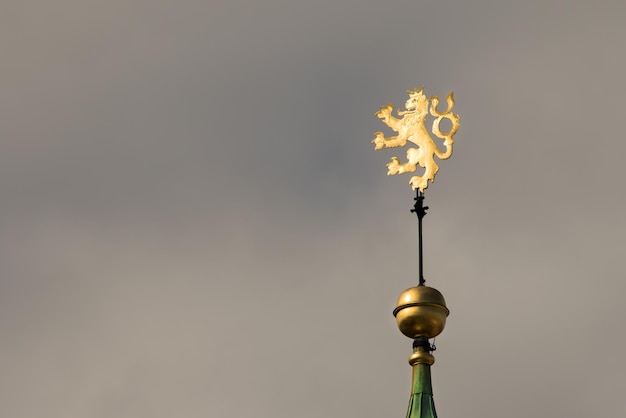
{"x": 194, "y": 222}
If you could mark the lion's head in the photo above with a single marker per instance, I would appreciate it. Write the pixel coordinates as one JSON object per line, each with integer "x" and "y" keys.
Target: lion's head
{"x": 417, "y": 102}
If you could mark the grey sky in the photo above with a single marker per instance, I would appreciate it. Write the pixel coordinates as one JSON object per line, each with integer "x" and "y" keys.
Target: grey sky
{"x": 194, "y": 222}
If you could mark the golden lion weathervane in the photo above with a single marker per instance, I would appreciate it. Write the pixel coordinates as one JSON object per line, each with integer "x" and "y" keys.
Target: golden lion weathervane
{"x": 411, "y": 128}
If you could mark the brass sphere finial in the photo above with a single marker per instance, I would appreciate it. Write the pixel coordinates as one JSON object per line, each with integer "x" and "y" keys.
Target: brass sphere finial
{"x": 421, "y": 312}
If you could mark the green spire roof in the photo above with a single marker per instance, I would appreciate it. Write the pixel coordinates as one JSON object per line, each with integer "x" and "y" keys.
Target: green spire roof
{"x": 421, "y": 403}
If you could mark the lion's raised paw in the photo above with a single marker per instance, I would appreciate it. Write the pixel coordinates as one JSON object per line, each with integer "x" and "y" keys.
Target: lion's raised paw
{"x": 379, "y": 141}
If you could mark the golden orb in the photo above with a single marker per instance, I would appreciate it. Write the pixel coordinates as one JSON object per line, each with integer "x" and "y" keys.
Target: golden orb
{"x": 421, "y": 312}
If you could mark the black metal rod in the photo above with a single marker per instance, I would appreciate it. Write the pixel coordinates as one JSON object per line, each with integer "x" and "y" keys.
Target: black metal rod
{"x": 420, "y": 210}
{"x": 421, "y": 250}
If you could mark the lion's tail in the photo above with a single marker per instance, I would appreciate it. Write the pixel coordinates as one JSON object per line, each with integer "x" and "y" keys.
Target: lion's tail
{"x": 445, "y": 155}
{"x": 439, "y": 116}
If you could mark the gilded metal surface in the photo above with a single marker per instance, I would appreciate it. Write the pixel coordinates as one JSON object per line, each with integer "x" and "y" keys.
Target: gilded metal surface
{"x": 421, "y": 312}
{"x": 411, "y": 128}
{"x": 421, "y": 356}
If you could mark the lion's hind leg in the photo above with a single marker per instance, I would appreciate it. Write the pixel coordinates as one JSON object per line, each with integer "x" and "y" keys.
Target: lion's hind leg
{"x": 418, "y": 182}
{"x": 413, "y": 156}
{"x": 421, "y": 182}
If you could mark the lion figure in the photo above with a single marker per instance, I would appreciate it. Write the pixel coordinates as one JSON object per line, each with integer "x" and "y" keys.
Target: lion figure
{"x": 411, "y": 128}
